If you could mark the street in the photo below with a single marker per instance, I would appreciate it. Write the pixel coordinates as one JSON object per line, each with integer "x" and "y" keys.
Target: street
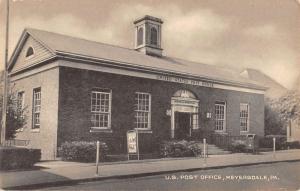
{"x": 276, "y": 176}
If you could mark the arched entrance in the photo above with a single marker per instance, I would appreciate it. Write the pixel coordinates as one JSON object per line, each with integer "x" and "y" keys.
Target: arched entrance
{"x": 184, "y": 117}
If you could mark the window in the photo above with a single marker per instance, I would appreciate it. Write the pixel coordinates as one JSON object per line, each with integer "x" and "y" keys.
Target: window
{"x": 184, "y": 94}
{"x": 101, "y": 108}
{"x": 220, "y": 116}
{"x": 20, "y": 101}
{"x": 29, "y": 52}
{"x": 140, "y": 36}
{"x": 153, "y": 39}
{"x": 195, "y": 118}
{"x": 244, "y": 117}
{"x": 143, "y": 110}
{"x": 36, "y": 108}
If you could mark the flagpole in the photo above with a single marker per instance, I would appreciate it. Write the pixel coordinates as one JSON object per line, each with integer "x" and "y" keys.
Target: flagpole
{"x": 5, "y": 80}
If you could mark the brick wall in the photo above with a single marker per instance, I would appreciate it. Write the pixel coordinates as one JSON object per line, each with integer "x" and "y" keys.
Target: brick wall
{"x": 74, "y": 106}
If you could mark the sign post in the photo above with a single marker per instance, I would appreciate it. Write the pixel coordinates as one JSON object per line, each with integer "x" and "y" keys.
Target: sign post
{"x": 274, "y": 146}
{"x": 5, "y": 80}
{"x": 133, "y": 143}
{"x": 204, "y": 150}
{"x": 97, "y": 158}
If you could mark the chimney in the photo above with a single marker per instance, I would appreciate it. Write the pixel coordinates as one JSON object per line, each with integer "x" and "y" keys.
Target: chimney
{"x": 148, "y": 35}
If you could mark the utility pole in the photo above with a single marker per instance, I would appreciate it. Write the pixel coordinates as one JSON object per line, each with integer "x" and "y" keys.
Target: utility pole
{"x": 5, "y": 76}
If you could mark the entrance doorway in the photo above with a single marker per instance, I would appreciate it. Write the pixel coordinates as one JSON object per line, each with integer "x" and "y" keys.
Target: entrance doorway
{"x": 182, "y": 125}
{"x": 184, "y": 114}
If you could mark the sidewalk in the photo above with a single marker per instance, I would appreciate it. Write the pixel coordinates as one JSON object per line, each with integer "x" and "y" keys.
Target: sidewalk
{"x": 59, "y": 172}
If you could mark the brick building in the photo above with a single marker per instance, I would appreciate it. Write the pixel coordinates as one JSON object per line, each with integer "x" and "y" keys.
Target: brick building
{"x": 75, "y": 89}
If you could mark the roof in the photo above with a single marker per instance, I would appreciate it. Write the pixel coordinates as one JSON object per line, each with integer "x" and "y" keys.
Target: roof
{"x": 59, "y": 44}
{"x": 275, "y": 89}
{"x": 147, "y": 17}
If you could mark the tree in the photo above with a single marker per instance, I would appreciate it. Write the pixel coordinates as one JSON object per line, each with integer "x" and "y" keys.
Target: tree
{"x": 273, "y": 123}
{"x": 280, "y": 111}
{"x": 288, "y": 106}
{"x": 15, "y": 116}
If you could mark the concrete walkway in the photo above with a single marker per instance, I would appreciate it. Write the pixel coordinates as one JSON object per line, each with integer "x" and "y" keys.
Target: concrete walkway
{"x": 59, "y": 172}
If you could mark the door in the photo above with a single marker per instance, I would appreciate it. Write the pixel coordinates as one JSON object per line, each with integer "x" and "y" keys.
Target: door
{"x": 182, "y": 125}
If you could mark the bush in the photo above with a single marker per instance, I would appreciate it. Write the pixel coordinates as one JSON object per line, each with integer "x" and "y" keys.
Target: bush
{"x": 18, "y": 158}
{"x": 180, "y": 149}
{"x": 267, "y": 142}
{"x": 16, "y": 117}
{"x": 293, "y": 145}
{"x": 273, "y": 122}
{"x": 82, "y": 151}
{"x": 238, "y": 146}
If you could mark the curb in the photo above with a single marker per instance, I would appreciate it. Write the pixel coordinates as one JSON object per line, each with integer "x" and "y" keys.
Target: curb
{"x": 137, "y": 175}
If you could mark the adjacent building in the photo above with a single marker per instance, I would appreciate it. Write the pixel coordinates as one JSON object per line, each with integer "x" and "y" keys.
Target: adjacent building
{"x": 76, "y": 89}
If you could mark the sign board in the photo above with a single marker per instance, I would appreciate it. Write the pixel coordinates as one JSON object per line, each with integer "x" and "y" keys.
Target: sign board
{"x": 184, "y": 81}
{"x": 169, "y": 112}
{"x": 132, "y": 142}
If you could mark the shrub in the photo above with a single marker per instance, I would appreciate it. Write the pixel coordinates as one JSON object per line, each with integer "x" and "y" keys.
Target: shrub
{"x": 18, "y": 158}
{"x": 180, "y": 148}
{"x": 82, "y": 151}
{"x": 196, "y": 148}
{"x": 238, "y": 146}
{"x": 293, "y": 145}
{"x": 267, "y": 142}
{"x": 16, "y": 117}
{"x": 273, "y": 122}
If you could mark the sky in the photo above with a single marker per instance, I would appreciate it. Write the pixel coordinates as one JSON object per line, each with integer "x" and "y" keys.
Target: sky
{"x": 259, "y": 34}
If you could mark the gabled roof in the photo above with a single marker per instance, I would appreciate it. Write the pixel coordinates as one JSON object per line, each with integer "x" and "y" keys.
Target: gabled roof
{"x": 275, "y": 89}
{"x": 66, "y": 45}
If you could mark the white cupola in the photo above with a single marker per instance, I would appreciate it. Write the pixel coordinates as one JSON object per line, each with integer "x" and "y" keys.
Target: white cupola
{"x": 148, "y": 35}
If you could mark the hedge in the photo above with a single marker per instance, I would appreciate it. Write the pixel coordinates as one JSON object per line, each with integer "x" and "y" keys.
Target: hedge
{"x": 267, "y": 142}
{"x": 18, "y": 158}
{"x": 293, "y": 145}
{"x": 180, "y": 148}
{"x": 238, "y": 146}
{"x": 82, "y": 151}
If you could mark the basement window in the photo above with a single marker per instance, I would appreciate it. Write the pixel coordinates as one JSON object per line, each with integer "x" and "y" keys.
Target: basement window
{"x": 29, "y": 52}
